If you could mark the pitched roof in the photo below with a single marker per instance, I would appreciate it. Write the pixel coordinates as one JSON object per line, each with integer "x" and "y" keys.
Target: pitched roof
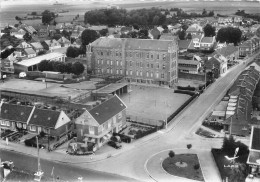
{"x": 184, "y": 44}
{"x": 37, "y": 45}
{"x": 108, "y": 42}
{"x": 44, "y": 117}
{"x": 29, "y": 51}
{"x": 15, "y": 112}
{"x": 255, "y": 142}
{"x": 207, "y": 40}
{"x": 63, "y": 40}
{"x": 107, "y": 109}
{"x": 228, "y": 50}
{"x": 186, "y": 61}
{"x": 51, "y": 42}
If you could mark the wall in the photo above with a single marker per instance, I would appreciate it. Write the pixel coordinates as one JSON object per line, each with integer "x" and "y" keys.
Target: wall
{"x": 58, "y": 76}
{"x": 190, "y": 76}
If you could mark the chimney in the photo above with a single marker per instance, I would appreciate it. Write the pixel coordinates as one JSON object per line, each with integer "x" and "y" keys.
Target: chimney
{"x": 243, "y": 90}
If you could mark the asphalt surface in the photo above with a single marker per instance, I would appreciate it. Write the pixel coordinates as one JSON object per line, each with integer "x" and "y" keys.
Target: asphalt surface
{"x": 63, "y": 171}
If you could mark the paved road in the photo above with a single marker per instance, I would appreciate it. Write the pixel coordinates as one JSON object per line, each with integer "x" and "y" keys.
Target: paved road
{"x": 132, "y": 163}
{"x": 64, "y": 171}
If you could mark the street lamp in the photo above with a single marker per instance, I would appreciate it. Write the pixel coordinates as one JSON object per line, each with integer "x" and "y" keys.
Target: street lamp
{"x": 38, "y": 175}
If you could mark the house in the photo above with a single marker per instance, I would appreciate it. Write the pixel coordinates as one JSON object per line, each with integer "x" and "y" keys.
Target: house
{"x": 29, "y": 52}
{"x": 99, "y": 123}
{"x": 217, "y": 65}
{"x": 37, "y": 46}
{"x": 195, "y": 42}
{"x": 30, "y": 30}
{"x": 43, "y": 33}
{"x": 64, "y": 42}
{"x": 7, "y": 64}
{"x": 230, "y": 52}
{"x": 75, "y": 35}
{"x": 97, "y": 28}
{"x": 126, "y": 30}
{"x": 23, "y": 45}
{"x": 238, "y": 117}
{"x": 16, "y": 117}
{"x": 225, "y": 20}
{"x": 184, "y": 45}
{"x": 32, "y": 63}
{"x": 194, "y": 29}
{"x": 207, "y": 43}
{"x": 51, "y": 44}
{"x": 248, "y": 47}
{"x": 254, "y": 155}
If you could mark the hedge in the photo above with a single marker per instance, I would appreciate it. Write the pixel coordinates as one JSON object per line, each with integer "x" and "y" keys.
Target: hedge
{"x": 124, "y": 138}
{"x": 186, "y": 88}
{"x": 191, "y": 93}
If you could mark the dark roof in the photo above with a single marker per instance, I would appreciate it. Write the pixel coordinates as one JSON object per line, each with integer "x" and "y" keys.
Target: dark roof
{"x": 256, "y": 139}
{"x": 107, "y": 109}
{"x": 184, "y": 44}
{"x": 44, "y": 117}
{"x": 226, "y": 51}
{"x": 207, "y": 40}
{"x": 15, "y": 112}
{"x": 186, "y": 61}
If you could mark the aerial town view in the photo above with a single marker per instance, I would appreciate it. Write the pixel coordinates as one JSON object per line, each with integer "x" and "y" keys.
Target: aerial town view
{"x": 130, "y": 91}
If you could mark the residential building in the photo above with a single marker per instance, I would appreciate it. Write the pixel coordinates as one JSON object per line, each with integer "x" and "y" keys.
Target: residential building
{"x": 139, "y": 60}
{"x": 51, "y": 44}
{"x": 249, "y": 47}
{"x": 225, "y": 20}
{"x": 253, "y": 159}
{"x": 7, "y": 64}
{"x": 37, "y": 46}
{"x": 43, "y": 33}
{"x": 230, "y": 52}
{"x": 64, "y": 42}
{"x": 32, "y": 63}
{"x": 217, "y": 64}
{"x": 238, "y": 116}
{"x": 195, "y": 43}
{"x": 23, "y": 45}
{"x": 30, "y": 30}
{"x": 194, "y": 29}
{"x": 34, "y": 120}
{"x": 29, "y": 52}
{"x": 99, "y": 123}
{"x": 207, "y": 43}
{"x": 184, "y": 45}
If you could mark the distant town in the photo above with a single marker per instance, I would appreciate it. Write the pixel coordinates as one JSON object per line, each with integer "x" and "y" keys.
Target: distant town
{"x": 140, "y": 94}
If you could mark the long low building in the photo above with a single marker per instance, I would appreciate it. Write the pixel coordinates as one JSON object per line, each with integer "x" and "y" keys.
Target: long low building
{"x": 32, "y": 63}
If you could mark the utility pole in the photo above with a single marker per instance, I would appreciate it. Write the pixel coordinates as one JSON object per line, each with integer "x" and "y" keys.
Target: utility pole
{"x": 38, "y": 175}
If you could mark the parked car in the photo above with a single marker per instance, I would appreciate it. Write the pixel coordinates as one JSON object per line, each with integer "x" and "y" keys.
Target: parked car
{"x": 116, "y": 145}
{"x": 116, "y": 139}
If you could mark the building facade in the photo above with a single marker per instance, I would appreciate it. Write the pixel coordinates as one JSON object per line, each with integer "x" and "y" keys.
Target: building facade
{"x": 138, "y": 60}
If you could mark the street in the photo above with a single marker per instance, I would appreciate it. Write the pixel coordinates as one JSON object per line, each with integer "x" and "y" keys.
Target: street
{"x": 64, "y": 171}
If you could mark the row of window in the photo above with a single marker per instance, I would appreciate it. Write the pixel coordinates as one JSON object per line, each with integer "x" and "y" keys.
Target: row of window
{"x": 110, "y": 62}
{"x": 108, "y": 53}
{"x": 148, "y": 65}
{"x": 148, "y": 74}
{"x": 24, "y": 126}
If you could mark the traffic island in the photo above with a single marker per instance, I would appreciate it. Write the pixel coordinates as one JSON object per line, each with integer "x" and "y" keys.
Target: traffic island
{"x": 183, "y": 165}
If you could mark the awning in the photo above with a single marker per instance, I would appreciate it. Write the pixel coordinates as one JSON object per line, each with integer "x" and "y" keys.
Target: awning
{"x": 230, "y": 112}
{"x": 231, "y": 108}
{"x": 232, "y": 104}
{"x": 233, "y": 97}
{"x": 232, "y": 100}
{"x": 218, "y": 113}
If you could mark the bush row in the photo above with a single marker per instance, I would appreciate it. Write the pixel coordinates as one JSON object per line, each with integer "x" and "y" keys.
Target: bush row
{"x": 191, "y": 93}
{"x": 124, "y": 138}
{"x": 140, "y": 134}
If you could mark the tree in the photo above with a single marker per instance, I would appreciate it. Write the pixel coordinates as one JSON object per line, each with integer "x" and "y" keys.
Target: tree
{"x": 171, "y": 154}
{"x": 209, "y": 31}
{"x": 72, "y": 52}
{"x": 88, "y": 36}
{"x": 181, "y": 34}
{"x": 41, "y": 52}
{"x": 27, "y": 37}
{"x": 77, "y": 68}
{"x": 47, "y": 17}
{"x": 238, "y": 173}
{"x": 204, "y": 12}
{"x": 103, "y": 32}
{"x": 135, "y": 26}
{"x": 184, "y": 27}
{"x": 56, "y": 36}
{"x": 6, "y": 53}
{"x": 189, "y": 146}
{"x": 43, "y": 65}
{"x": 156, "y": 20}
{"x": 211, "y": 13}
{"x": 229, "y": 35}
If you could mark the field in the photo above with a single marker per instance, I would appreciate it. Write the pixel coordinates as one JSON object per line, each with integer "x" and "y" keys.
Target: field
{"x": 150, "y": 104}
{"x": 8, "y": 12}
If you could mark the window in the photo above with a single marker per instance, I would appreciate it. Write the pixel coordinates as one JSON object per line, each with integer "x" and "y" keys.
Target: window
{"x": 24, "y": 126}
{"x": 111, "y": 70}
{"x": 131, "y": 72}
{"x": 98, "y": 61}
{"x": 163, "y": 66}
{"x": 158, "y": 65}
{"x": 130, "y": 63}
{"x": 151, "y": 74}
{"x": 121, "y": 71}
{"x": 120, "y": 54}
{"x": 147, "y": 74}
{"x": 117, "y": 62}
{"x": 147, "y": 65}
{"x": 102, "y": 62}
{"x": 117, "y": 72}
{"x": 111, "y": 62}
{"x": 126, "y": 72}
{"x": 147, "y": 56}
{"x": 151, "y": 56}
{"x": 158, "y": 56}
{"x": 107, "y": 70}
{"x": 91, "y": 130}
{"x": 7, "y": 123}
{"x": 119, "y": 115}
{"x": 141, "y": 64}
{"x": 113, "y": 121}
{"x": 141, "y": 73}
{"x": 107, "y": 62}
{"x": 101, "y": 53}
{"x": 108, "y": 53}
{"x": 116, "y": 53}
{"x": 137, "y": 73}
{"x": 109, "y": 123}
{"x": 151, "y": 65}
{"x": 162, "y": 75}
{"x": 32, "y": 128}
{"x": 121, "y": 63}
{"x": 100, "y": 128}
{"x": 130, "y": 54}
{"x": 157, "y": 74}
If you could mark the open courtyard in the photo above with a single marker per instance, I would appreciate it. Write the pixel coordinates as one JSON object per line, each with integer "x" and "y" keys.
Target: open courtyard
{"x": 150, "y": 104}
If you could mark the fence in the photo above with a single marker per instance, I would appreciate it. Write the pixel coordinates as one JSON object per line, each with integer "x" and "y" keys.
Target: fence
{"x": 144, "y": 121}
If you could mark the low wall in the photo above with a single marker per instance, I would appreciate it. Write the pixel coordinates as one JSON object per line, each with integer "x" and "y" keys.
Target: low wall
{"x": 55, "y": 76}
{"x": 190, "y": 76}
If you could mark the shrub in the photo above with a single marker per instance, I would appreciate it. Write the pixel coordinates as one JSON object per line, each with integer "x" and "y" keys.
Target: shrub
{"x": 171, "y": 154}
{"x": 191, "y": 93}
{"x": 196, "y": 166}
{"x": 186, "y": 88}
{"x": 189, "y": 146}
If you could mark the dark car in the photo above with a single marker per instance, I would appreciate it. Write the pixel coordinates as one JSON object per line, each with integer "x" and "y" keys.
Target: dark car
{"x": 116, "y": 145}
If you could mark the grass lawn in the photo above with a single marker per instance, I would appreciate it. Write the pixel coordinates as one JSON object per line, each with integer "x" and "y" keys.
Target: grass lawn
{"x": 169, "y": 165}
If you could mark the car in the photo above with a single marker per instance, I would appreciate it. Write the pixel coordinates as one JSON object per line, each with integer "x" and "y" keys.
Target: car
{"x": 116, "y": 145}
{"x": 116, "y": 139}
